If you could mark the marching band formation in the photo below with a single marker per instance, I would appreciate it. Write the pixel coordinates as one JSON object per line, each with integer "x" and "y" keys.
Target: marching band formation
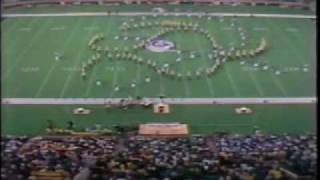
{"x": 219, "y": 54}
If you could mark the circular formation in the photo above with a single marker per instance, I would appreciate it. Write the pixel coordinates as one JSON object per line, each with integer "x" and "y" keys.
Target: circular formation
{"x": 217, "y": 54}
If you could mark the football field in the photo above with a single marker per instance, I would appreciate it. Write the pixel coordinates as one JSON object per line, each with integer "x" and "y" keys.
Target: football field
{"x": 31, "y": 69}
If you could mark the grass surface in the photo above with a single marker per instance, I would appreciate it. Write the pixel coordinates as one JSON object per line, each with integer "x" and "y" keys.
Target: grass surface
{"x": 30, "y": 70}
{"x": 31, "y": 120}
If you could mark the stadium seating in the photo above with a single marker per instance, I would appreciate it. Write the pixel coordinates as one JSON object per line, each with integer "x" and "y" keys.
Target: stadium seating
{"x": 216, "y": 156}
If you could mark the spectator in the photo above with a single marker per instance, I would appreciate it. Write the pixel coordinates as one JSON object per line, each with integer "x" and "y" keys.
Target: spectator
{"x": 221, "y": 156}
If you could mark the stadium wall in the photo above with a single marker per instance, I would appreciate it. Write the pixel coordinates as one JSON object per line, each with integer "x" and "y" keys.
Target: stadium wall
{"x": 289, "y": 4}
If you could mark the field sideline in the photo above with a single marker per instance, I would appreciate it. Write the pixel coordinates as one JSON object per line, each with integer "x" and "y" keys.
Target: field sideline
{"x": 294, "y": 16}
{"x": 185, "y": 101}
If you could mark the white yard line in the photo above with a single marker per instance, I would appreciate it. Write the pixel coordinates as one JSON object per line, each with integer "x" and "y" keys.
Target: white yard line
{"x": 278, "y": 83}
{"x": 27, "y": 49}
{"x": 24, "y": 29}
{"x": 138, "y": 75}
{"x": 260, "y": 29}
{"x": 90, "y": 28}
{"x": 226, "y": 28}
{"x": 275, "y": 79}
{"x": 77, "y": 61}
{"x": 233, "y": 84}
{"x": 13, "y": 40}
{"x": 256, "y": 84}
{"x": 194, "y": 101}
{"x": 5, "y": 30}
{"x": 211, "y": 90}
{"x": 44, "y": 82}
{"x": 90, "y": 82}
{"x": 186, "y": 87}
{"x": 138, "y": 80}
{"x": 294, "y": 30}
{"x": 57, "y": 28}
{"x": 161, "y": 86}
{"x": 209, "y": 83}
{"x": 296, "y": 16}
{"x": 46, "y": 79}
{"x": 114, "y": 79}
{"x": 185, "y": 81}
{"x": 95, "y": 68}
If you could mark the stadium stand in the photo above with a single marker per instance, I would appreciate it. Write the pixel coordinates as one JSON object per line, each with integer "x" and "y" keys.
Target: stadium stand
{"x": 216, "y": 156}
{"x": 286, "y": 3}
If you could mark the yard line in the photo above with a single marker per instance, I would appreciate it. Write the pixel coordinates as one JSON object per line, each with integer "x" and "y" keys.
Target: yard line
{"x": 77, "y": 61}
{"x": 282, "y": 89}
{"x": 186, "y": 87}
{"x": 208, "y": 101}
{"x": 284, "y": 38}
{"x": 161, "y": 86}
{"x": 260, "y": 29}
{"x": 90, "y": 82}
{"x": 14, "y": 26}
{"x": 275, "y": 79}
{"x": 138, "y": 75}
{"x": 90, "y": 28}
{"x": 313, "y": 51}
{"x": 185, "y": 82}
{"x": 292, "y": 30}
{"x": 21, "y": 55}
{"x": 233, "y": 85}
{"x": 25, "y": 29}
{"x": 226, "y": 28}
{"x": 253, "y": 80}
{"x": 44, "y": 82}
{"x": 114, "y": 79}
{"x": 295, "y": 16}
{"x": 138, "y": 79}
{"x": 13, "y": 40}
{"x": 256, "y": 84}
{"x": 209, "y": 83}
{"x": 46, "y": 79}
{"x": 57, "y": 28}
{"x": 95, "y": 69}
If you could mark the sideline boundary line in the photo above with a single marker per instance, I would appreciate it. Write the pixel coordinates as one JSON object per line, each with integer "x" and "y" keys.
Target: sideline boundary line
{"x": 194, "y": 101}
{"x": 296, "y": 16}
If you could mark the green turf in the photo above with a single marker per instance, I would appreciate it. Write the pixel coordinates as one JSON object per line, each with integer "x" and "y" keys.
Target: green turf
{"x": 31, "y": 120}
{"x": 50, "y": 78}
{"x": 29, "y": 70}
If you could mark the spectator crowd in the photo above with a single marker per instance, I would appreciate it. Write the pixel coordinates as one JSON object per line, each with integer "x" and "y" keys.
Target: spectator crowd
{"x": 220, "y": 157}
